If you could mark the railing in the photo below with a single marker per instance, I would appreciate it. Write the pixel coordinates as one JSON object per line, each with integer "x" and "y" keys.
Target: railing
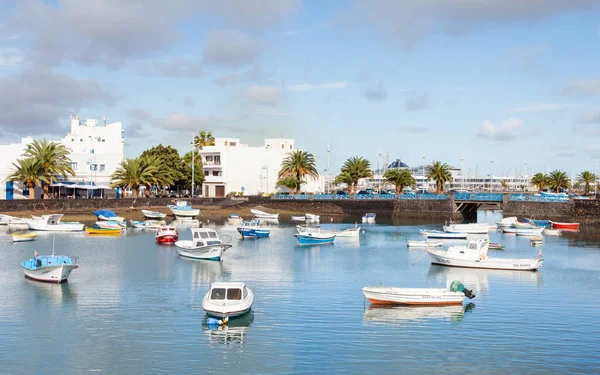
{"x": 211, "y": 163}
{"x": 290, "y": 197}
{"x": 374, "y": 196}
{"x": 360, "y": 197}
{"x": 485, "y": 197}
{"x": 330, "y": 196}
{"x": 429, "y": 197}
{"x": 537, "y": 198}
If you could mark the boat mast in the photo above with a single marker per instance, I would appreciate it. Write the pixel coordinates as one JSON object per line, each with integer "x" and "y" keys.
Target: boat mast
{"x": 193, "y": 162}
{"x": 462, "y": 171}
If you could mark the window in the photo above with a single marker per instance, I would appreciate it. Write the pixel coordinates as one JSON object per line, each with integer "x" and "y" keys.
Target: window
{"x": 72, "y": 139}
{"x": 102, "y": 167}
{"x": 212, "y": 234}
{"x": 80, "y": 139}
{"x": 215, "y": 173}
{"x": 206, "y": 173}
{"x": 94, "y": 167}
{"x": 203, "y": 235}
{"x": 103, "y": 140}
{"x": 232, "y": 143}
{"x": 74, "y": 165}
{"x": 245, "y": 292}
{"x": 218, "y": 293}
{"x": 234, "y": 294}
{"x": 209, "y": 158}
{"x": 91, "y": 151}
{"x": 196, "y": 235}
{"x": 217, "y": 160}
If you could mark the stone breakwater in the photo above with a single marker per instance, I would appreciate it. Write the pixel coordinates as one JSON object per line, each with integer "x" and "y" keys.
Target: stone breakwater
{"x": 582, "y": 211}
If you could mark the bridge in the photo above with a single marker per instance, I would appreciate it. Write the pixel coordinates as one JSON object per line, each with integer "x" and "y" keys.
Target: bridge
{"x": 467, "y": 203}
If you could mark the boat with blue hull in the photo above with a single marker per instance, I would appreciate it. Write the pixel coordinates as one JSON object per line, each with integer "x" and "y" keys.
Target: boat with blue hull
{"x": 253, "y": 229}
{"x": 539, "y": 223}
{"x": 314, "y": 238}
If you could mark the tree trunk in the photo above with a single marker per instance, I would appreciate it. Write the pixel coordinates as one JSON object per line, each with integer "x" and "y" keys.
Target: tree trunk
{"x": 397, "y": 191}
{"x": 46, "y": 187}
{"x": 355, "y": 187}
{"x": 587, "y": 188}
{"x": 31, "y": 191}
{"x": 148, "y": 192}
{"x": 135, "y": 192}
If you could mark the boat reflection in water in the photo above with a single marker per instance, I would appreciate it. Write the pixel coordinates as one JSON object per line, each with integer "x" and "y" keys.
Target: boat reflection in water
{"x": 234, "y": 332}
{"x": 479, "y": 279}
{"x": 206, "y": 271}
{"x": 399, "y": 314}
{"x": 54, "y": 292}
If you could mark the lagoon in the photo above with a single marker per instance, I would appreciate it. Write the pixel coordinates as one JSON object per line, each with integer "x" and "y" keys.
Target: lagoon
{"x": 135, "y": 307}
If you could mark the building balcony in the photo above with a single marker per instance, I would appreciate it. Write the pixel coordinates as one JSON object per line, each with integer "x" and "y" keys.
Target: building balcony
{"x": 214, "y": 179}
{"x": 211, "y": 164}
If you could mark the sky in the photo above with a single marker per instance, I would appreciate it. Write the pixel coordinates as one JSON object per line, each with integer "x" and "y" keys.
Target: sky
{"x": 510, "y": 85}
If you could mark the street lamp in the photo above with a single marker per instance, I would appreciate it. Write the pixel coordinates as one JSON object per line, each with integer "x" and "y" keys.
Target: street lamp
{"x": 491, "y": 173}
{"x": 423, "y": 163}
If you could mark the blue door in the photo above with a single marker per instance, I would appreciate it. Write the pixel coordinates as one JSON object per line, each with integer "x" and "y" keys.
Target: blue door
{"x": 10, "y": 190}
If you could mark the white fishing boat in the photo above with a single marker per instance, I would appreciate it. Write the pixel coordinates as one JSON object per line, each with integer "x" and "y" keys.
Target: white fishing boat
{"x": 519, "y": 225}
{"x": 369, "y": 218}
{"x": 49, "y": 268}
{"x": 137, "y": 224}
{"x": 431, "y": 243}
{"x": 52, "y": 223}
{"x": 153, "y": 214}
{"x": 350, "y": 232}
{"x": 264, "y": 215}
{"x": 234, "y": 219}
{"x": 529, "y": 232}
{"x": 444, "y": 235}
{"x": 509, "y": 230}
{"x": 187, "y": 222}
{"x": 312, "y": 218}
{"x": 205, "y": 244}
{"x": 475, "y": 256}
{"x": 551, "y": 232}
{"x": 111, "y": 224}
{"x": 228, "y": 299}
{"x": 154, "y": 224}
{"x": 23, "y": 237}
{"x": 454, "y": 295}
{"x": 298, "y": 218}
{"x": 183, "y": 209}
{"x": 507, "y": 221}
{"x": 474, "y": 228}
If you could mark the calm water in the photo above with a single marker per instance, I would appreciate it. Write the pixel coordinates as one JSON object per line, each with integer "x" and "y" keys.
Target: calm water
{"x": 135, "y": 307}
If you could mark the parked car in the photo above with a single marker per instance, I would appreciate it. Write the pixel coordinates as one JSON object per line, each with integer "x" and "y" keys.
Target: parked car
{"x": 423, "y": 191}
{"x": 341, "y": 192}
{"x": 364, "y": 192}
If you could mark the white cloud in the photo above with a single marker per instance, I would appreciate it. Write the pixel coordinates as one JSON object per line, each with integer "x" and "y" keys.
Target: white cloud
{"x": 319, "y": 86}
{"x": 262, "y": 95}
{"x": 504, "y": 131}
{"x": 181, "y": 121}
{"x": 230, "y": 48}
{"x": 545, "y": 107}
{"x": 582, "y": 88}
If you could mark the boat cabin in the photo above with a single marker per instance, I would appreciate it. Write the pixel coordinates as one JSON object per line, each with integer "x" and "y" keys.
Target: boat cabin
{"x": 230, "y": 291}
{"x": 205, "y": 237}
{"x": 166, "y": 230}
{"x": 475, "y": 250}
{"x": 50, "y": 219}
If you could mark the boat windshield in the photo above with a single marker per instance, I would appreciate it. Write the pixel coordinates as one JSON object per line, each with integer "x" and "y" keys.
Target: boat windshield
{"x": 203, "y": 235}
{"x": 473, "y": 246}
{"x": 212, "y": 234}
{"x": 217, "y": 293}
{"x": 234, "y": 294}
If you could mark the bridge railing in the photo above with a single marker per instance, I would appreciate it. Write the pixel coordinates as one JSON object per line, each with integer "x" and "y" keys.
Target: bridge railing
{"x": 291, "y": 197}
{"x": 483, "y": 197}
{"x": 359, "y": 197}
{"x": 537, "y": 198}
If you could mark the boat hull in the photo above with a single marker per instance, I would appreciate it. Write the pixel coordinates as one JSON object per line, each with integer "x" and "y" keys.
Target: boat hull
{"x": 412, "y": 296}
{"x": 228, "y": 309}
{"x": 314, "y": 239}
{"x": 185, "y": 213}
{"x": 467, "y": 228}
{"x": 423, "y": 244}
{"x": 253, "y": 233}
{"x": 539, "y": 223}
{"x": 530, "y": 264}
{"x": 568, "y": 226}
{"x": 51, "y": 274}
{"x": 153, "y": 214}
{"x": 62, "y": 227}
{"x": 112, "y": 218}
{"x": 23, "y": 237}
{"x": 529, "y": 232}
{"x": 445, "y": 235}
{"x": 168, "y": 239}
{"x": 210, "y": 252}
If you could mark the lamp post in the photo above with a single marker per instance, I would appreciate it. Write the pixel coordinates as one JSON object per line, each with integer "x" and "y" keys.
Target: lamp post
{"x": 491, "y": 173}
{"x": 423, "y": 165}
{"x": 379, "y": 171}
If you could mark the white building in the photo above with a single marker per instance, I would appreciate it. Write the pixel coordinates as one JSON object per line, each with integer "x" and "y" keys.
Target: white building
{"x": 96, "y": 150}
{"x": 231, "y": 166}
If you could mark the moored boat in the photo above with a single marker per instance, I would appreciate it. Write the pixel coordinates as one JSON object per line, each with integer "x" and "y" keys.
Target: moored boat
{"x": 495, "y": 246}
{"x": 154, "y": 224}
{"x": 349, "y": 232}
{"x": 520, "y": 225}
{"x": 431, "y": 243}
{"x": 529, "y": 232}
{"x": 107, "y": 215}
{"x": 110, "y": 224}
{"x": 454, "y": 295}
{"x": 49, "y": 268}
{"x": 137, "y": 224}
{"x": 444, "y": 235}
{"x": 264, "y": 215}
{"x": 536, "y": 241}
{"x": 475, "y": 256}
{"x": 228, "y": 299}
{"x": 166, "y": 235}
{"x": 568, "y": 226}
{"x": 298, "y": 218}
{"x": 234, "y": 218}
{"x": 183, "y": 209}
{"x": 369, "y": 218}
{"x": 507, "y": 221}
{"x": 153, "y": 214}
{"x": 52, "y": 223}
{"x": 104, "y": 231}
{"x": 552, "y": 232}
{"x": 474, "y": 228}
{"x": 205, "y": 244}
{"x": 509, "y": 230}
{"x": 539, "y": 223}
{"x": 314, "y": 238}
{"x": 23, "y": 237}
{"x": 253, "y": 229}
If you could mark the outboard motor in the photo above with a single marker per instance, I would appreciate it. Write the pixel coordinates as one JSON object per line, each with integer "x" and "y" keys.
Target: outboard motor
{"x": 457, "y": 286}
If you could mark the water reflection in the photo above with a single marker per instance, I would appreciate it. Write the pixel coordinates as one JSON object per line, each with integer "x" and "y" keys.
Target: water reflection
{"x": 408, "y": 313}
{"x": 478, "y": 279}
{"x": 206, "y": 271}
{"x": 52, "y": 291}
{"x": 232, "y": 333}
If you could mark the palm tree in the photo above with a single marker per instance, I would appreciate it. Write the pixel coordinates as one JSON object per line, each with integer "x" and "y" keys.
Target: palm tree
{"x": 504, "y": 185}
{"x": 558, "y": 179}
{"x": 161, "y": 175}
{"x": 587, "y": 178}
{"x": 540, "y": 180}
{"x": 298, "y": 164}
{"x": 205, "y": 139}
{"x": 290, "y": 182}
{"x": 344, "y": 178}
{"x": 28, "y": 171}
{"x": 357, "y": 168}
{"x": 53, "y": 160}
{"x": 134, "y": 173}
{"x": 440, "y": 173}
{"x": 400, "y": 178}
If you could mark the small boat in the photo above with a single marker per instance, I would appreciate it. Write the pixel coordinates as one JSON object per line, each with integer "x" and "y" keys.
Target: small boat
{"x": 111, "y": 224}
{"x": 552, "y": 232}
{"x": 520, "y": 225}
{"x": 183, "y": 209}
{"x": 186, "y": 222}
{"x": 312, "y": 218}
{"x": 23, "y": 237}
{"x": 550, "y": 194}
{"x": 529, "y": 232}
{"x": 166, "y": 235}
{"x": 137, "y": 224}
{"x": 264, "y": 215}
{"x": 107, "y": 215}
{"x": 495, "y": 246}
{"x": 493, "y": 228}
{"x": 507, "y": 221}
{"x": 444, "y": 235}
{"x": 298, "y": 218}
{"x": 253, "y": 229}
{"x": 568, "y": 226}
{"x": 52, "y": 223}
{"x": 50, "y": 268}
{"x": 154, "y": 224}
{"x": 104, "y": 231}
{"x": 314, "y": 238}
{"x": 228, "y": 299}
{"x": 153, "y": 214}
{"x": 350, "y": 232}
{"x": 432, "y": 243}
{"x": 234, "y": 218}
{"x": 205, "y": 244}
{"x": 536, "y": 241}
{"x": 474, "y": 228}
{"x": 369, "y": 218}
{"x": 454, "y": 295}
{"x": 539, "y": 223}
{"x": 509, "y": 230}
{"x": 475, "y": 256}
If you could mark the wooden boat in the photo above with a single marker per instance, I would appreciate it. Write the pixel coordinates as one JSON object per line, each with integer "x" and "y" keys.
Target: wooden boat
{"x": 495, "y": 246}
{"x": 507, "y": 221}
{"x": 166, "y": 235}
{"x": 253, "y": 229}
{"x": 349, "y": 232}
{"x": 369, "y": 218}
{"x": 52, "y": 223}
{"x": 539, "y": 223}
{"x": 552, "y": 232}
{"x": 536, "y": 241}
{"x": 432, "y": 243}
{"x": 568, "y": 226}
{"x": 444, "y": 235}
{"x": 379, "y": 295}
{"x": 475, "y": 256}
{"x": 49, "y": 268}
{"x": 183, "y": 209}
{"x": 23, "y": 237}
{"x": 467, "y": 228}
{"x": 529, "y": 232}
{"x": 104, "y": 231}
{"x": 205, "y": 244}
{"x": 264, "y": 215}
{"x": 153, "y": 214}
{"x": 228, "y": 299}
{"x": 314, "y": 238}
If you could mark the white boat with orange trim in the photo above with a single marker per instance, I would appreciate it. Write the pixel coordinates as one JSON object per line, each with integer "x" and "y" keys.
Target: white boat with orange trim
{"x": 475, "y": 256}
{"x": 380, "y": 295}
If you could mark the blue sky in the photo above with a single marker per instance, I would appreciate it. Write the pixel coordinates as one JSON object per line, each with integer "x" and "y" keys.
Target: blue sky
{"x": 514, "y": 82}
